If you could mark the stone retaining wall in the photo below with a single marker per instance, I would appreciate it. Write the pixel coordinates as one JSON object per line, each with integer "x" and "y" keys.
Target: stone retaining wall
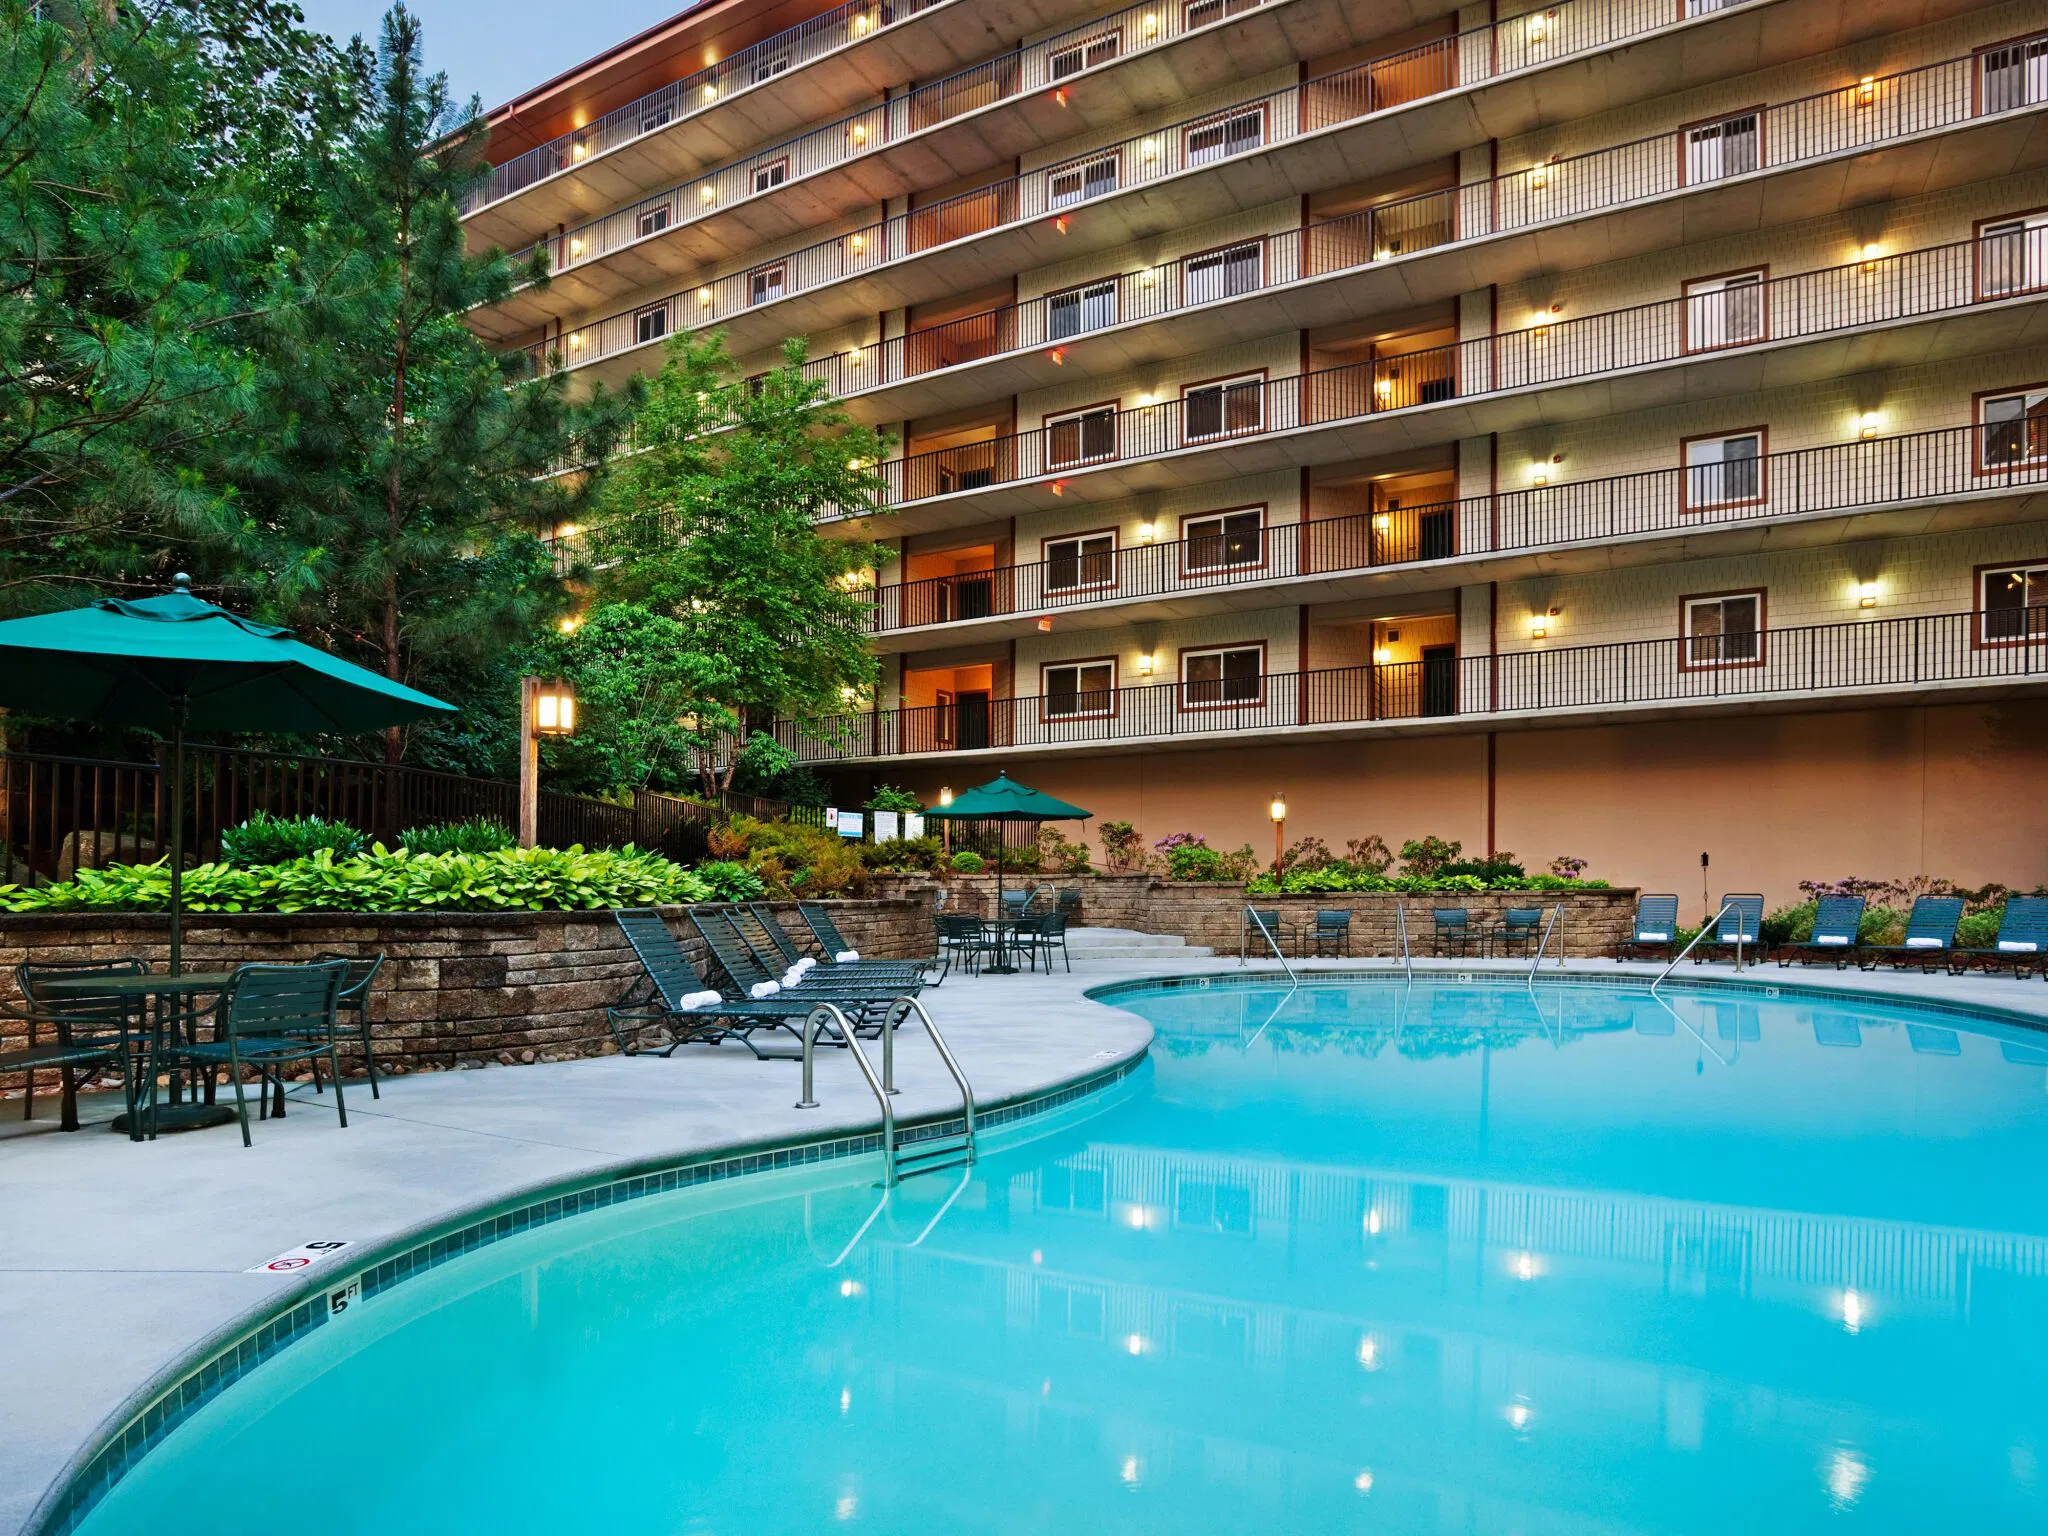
{"x": 457, "y": 988}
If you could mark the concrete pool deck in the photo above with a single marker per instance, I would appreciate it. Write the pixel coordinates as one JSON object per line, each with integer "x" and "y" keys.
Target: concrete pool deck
{"x": 121, "y": 1260}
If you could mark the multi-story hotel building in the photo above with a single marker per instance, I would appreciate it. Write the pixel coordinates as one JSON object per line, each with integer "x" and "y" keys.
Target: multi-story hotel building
{"x": 1615, "y": 428}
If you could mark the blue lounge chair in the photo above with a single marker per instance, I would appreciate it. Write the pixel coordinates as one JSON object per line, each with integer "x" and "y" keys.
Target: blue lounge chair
{"x": 1930, "y": 935}
{"x": 1656, "y": 928}
{"x": 2022, "y": 941}
{"x": 1738, "y": 929}
{"x": 1835, "y": 922}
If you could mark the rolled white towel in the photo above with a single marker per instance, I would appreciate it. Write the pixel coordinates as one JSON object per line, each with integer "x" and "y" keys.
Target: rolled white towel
{"x": 764, "y": 989}
{"x": 846, "y": 956}
{"x": 792, "y": 976}
{"x": 692, "y": 1001}
{"x": 2018, "y": 946}
{"x": 1923, "y": 943}
{"x": 806, "y": 963}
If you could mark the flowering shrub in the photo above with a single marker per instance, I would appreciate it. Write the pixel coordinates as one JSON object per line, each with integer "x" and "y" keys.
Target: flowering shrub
{"x": 1342, "y": 876}
{"x": 1565, "y": 867}
{"x": 1123, "y": 847}
{"x": 1424, "y": 856}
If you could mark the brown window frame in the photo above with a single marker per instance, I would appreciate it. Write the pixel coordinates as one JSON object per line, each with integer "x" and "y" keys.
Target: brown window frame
{"x": 1053, "y": 418}
{"x": 644, "y": 229}
{"x": 1977, "y": 108}
{"x": 1686, "y": 637}
{"x": 1221, "y": 382}
{"x": 1685, "y": 341}
{"x": 1181, "y": 701}
{"x": 1688, "y": 507}
{"x": 1979, "y": 640}
{"x": 1977, "y": 293}
{"x": 756, "y": 172}
{"x": 1190, "y": 572}
{"x": 781, "y": 271}
{"x": 1217, "y": 119}
{"x": 1114, "y": 36}
{"x": 1187, "y": 262}
{"x": 1760, "y": 112}
{"x": 942, "y": 717}
{"x": 661, "y": 307}
{"x": 1229, "y": 8}
{"x": 1114, "y": 154}
{"x": 1113, "y": 282}
{"x": 1115, "y": 560}
{"x": 1978, "y": 465}
{"x": 1109, "y": 712}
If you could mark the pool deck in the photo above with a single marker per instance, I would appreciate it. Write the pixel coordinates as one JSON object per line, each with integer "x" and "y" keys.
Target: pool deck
{"x": 120, "y": 1260}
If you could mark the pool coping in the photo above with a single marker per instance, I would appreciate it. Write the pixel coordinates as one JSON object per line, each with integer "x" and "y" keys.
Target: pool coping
{"x": 176, "y": 1391}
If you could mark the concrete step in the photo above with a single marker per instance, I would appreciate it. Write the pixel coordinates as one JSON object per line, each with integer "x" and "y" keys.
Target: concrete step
{"x": 1130, "y": 944}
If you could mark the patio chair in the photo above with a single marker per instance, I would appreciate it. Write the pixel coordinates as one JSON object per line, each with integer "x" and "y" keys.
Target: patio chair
{"x": 1068, "y": 903}
{"x": 673, "y": 996}
{"x": 1738, "y": 928}
{"x": 1518, "y": 929}
{"x": 1453, "y": 933}
{"x": 270, "y": 1017}
{"x": 964, "y": 938}
{"x": 1045, "y": 934}
{"x": 2022, "y": 941}
{"x": 1267, "y": 918}
{"x": 833, "y": 943}
{"x": 1835, "y": 922}
{"x": 1330, "y": 934}
{"x": 1930, "y": 936}
{"x": 88, "y": 1035}
{"x": 353, "y": 1005}
{"x": 1017, "y": 903}
{"x": 1656, "y": 928}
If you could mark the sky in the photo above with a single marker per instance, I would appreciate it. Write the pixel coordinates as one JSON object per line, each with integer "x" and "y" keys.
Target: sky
{"x": 499, "y": 48}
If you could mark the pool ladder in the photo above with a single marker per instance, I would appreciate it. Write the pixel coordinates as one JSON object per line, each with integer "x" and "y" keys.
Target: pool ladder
{"x": 900, "y": 1160}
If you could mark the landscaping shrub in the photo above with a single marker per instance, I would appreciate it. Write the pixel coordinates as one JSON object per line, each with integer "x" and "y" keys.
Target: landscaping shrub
{"x": 904, "y": 853}
{"x": 728, "y": 880}
{"x": 268, "y": 839}
{"x": 1057, "y": 854}
{"x": 1565, "y": 867}
{"x": 968, "y": 862}
{"x": 1422, "y": 857}
{"x": 479, "y": 835}
{"x": 1369, "y": 853}
{"x": 1345, "y": 876}
{"x": 1123, "y": 847}
{"x": 1501, "y": 869}
{"x": 791, "y": 859}
{"x": 1979, "y": 930}
{"x": 382, "y": 880}
{"x": 890, "y": 798}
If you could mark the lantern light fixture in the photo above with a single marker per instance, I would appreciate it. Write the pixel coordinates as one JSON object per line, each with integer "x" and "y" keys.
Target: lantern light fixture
{"x": 554, "y": 708}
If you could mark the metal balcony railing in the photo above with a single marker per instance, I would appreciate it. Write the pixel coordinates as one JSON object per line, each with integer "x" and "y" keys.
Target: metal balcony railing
{"x": 1867, "y": 113}
{"x": 1876, "y": 655}
{"x": 1866, "y": 473}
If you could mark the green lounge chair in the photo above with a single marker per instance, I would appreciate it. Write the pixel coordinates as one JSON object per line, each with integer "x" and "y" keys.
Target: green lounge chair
{"x": 1835, "y": 922}
{"x": 785, "y": 952}
{"x": 2022, "y": 941}
{"x": 1738, "y": 928}
{"x": 833, "y": 943}
{"x": 864, "y": 1000}
{"x": 1930, "y": 935}
{"x": 1655, "y": 931}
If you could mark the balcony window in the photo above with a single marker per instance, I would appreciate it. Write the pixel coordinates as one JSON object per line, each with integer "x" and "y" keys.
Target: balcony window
{"x": 1200, "y": 13}
{"x": 1724, "y": 629}
{"x": 651, "y": 323}
{"x": 1725, "y": 148}
{"x": 2014, "y": 428}
{"x": 1082, "y": 180}
{"x": 1222, "y": 137}
{"x": 1225, "y": 408}
{"x": 1224, "y": 274}
{"x": 1079, "y": 564}
{"x": 1225, "y": 541}
{"x": 771, "y": 66}
{"x": 652, "y": 221}
{"x": 1087, "y": 308}
{"x": 1075, "y": 57}
{"x": 2012, "y": 255}
{"x": 765, "y": 284}
{"x": 771, "y": 175}
{"x": 2015, "y": 75}
{"x": 1080, "y": 690}
{"x": 1724, "y": 311}
{"x": 1080, "y": 437}
{"x": 1707, "y": 7}
{"x": 1223, "y": 677}
{"x": 2014, "y": 602}
{"x": 656, "y": 114}
{"x": 1724, "y": 471}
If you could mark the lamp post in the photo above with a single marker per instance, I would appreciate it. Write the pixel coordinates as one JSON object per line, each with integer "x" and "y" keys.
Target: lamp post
{"x": 946, "y": 827}
{"x": 546, "y": 708}
{"x": 1278, "y": 811}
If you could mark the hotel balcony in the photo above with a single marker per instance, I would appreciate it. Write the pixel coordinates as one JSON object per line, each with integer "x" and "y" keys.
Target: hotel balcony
{"x": 1929, "y": 482}
{"x": 1882, "y": 138}
{"x": 1953, "y": 300}
{"x": 1985, "y": 655}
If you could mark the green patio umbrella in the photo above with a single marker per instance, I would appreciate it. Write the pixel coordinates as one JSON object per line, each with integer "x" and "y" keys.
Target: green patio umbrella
{"x": 175, "y": 663}
{"x": 1003, "y": 799}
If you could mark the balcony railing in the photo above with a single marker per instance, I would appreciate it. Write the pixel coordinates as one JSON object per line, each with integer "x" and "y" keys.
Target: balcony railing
{"x": 1865, "y": 114}
{"x": 1866, "y": 473}
{"x": 1876, "y": 654}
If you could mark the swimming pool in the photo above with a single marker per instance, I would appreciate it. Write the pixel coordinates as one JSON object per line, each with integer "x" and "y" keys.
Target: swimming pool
{"x": 1448, "y": 1258}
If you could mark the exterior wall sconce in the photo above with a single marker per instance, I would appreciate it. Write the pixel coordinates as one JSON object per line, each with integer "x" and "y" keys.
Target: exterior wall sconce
{"x": 859, "y": 244}
{"x": 1539, "y": 176}
{"x": 1151, "y": 149}
{"x": 1147, "y": 532}
{"x": 945, "y": 797}
{"x": 569, "y": 626}
{"x": 1870, "y": 253}
{"x": 1539, "y": 26}
{"x": 704, "y": 298}
{"x": 1059, "y": 356}
{"x": 1060, "y": 223}
{"x": 1382, "y": 522}
{"x": 1866, "y": 594}
{"x": 1541, "y": 624}
{"x": 575, "y": 247}
{"x": 1866, "y": 90}
{"x": 710, "y": 94}
{"x": 1868, "y": 423}
{"x": 1145, "y": 664}
{"x": 1381, "y": 655}
{"x": 1059, "y": 487}
{"x": 1060, "y": 96}
{"x": 1045, "y": 626}
{"x": 575, "y": 341}
{"x": 1151, "y": 25}
{"x": 859, "y": 134}
{"x": 579, "y": 151}
{"x": 708, "y": 196}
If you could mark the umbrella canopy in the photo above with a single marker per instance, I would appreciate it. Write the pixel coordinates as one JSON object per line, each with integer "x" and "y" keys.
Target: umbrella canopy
{"x": 119, "y": 662}
{"x": 1004, "y": 799}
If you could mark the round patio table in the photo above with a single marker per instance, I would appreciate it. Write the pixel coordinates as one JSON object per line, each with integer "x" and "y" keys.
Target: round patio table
{"x": 167, "y": 999}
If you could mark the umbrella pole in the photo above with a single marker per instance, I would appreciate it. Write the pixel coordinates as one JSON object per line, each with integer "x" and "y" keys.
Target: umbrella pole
{"x": 177, "y": 835}
{"x": 1003, "y": 965}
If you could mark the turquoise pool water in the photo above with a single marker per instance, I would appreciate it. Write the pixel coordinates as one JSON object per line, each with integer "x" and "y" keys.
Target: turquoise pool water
{"x": 1363, "y": 1258}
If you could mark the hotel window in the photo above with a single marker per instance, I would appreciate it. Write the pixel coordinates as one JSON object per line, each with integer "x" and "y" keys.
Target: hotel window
{"x": 1222, "y": 677}
{"x": 2012, "y": 256}
{"x": 1224, "y": 274}
{"x": 2014, "y": 428}
{"x": 1222, "y": 137}
{"x": 2014, "y": 600}
{"x": 1080, "y": 689}
{"x": 1225, "y": 541}
{"x": 773, "y": 174}
{"x": 656, "y": 115}
{"x": 1082, "y": 180}
{"x": 1724, "y": 630}
{"x": 1201, "y": 12}
{"x": 1726, "y": 148}
{"x": 1707, "y": 7}
{"x": 1226, "y": 407}
{"x": 764, "y": 284}
{"x": 1074, "y": 565}
{"x": 1075, "y": 57}
{"x": 1087, "y": 308}
{"x": 1724, "y": 471}
{"x": 653, "y": 220}
{"x": 1081, "y": 437}
{"x": 770, "y": 67}
{"x": 1724, "y": 311}
{"x": 2015, "y": 75}
{"x": 651, "y": 324}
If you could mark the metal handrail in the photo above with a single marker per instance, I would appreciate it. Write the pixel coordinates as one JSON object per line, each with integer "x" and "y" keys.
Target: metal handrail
{"x": 1712, "y": 923}
{"x": 1407, "y": 958}
{"x": 1279, "y": 953}
{"x": 1555, "y": 913}
{"x": 898, "y": 1010}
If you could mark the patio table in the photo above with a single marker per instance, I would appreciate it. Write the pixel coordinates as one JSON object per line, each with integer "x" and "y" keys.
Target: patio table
{"x": 168, "y": 1000}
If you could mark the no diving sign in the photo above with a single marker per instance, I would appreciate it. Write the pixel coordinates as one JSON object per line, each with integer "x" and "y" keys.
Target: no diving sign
{"x": 305, "y": 1256}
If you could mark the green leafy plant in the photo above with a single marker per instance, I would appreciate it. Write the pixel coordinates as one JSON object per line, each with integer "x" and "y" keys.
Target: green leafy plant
{"x": 904, "y": 853}
{"x": 268, "y": 839}
{"x": 1424, "y": 856}
{"x": 478, "y": 835}
{"x": 791, "y": 858}
{"x": 731, "y": 881}
{"x": 1499, "y": 869}
{"x": 968, "y": 862}
{"x": 1056, "y": 853}
{"x": 1123, "y": 847}
{"x": 890, "y": 798}
{"x": 1369, "y": 853}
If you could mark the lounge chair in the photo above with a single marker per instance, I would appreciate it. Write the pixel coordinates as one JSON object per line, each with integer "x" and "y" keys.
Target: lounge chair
{"x": 1738, "y": 928}
{"x": 1930, "y": 935}
{"x": 1656, "y": 928}
{"x": 2022, "y": 941}
{"x": 87, "y": 1035}
{"x": 1835, "y": 921}
{"x": 270, "y": 1017}
{"x": 1454, "y": 935}
{"x": 864, "y": 999}
{"x": 782, "y": 952}
{"x": 833, "y": 943}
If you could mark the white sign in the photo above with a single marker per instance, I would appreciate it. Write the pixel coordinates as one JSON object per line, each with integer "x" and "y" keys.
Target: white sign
{"x": 913, "y": 824}
{"x": 305, "y": 1256}
{"x": 852, "y": 824}
{"x": 886, "y": 823}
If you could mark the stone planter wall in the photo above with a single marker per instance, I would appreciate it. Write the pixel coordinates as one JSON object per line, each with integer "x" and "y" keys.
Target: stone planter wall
{"x": 457, "y": 989}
